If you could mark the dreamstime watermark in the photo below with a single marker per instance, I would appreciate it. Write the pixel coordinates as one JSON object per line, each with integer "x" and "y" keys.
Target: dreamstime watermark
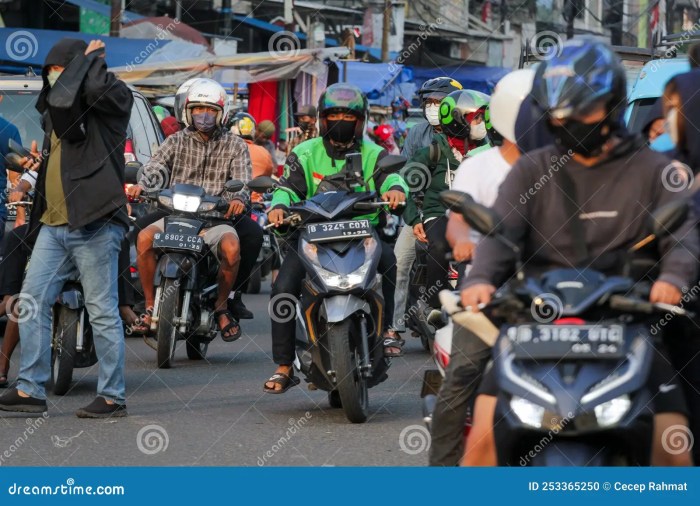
{"x": 152, "y": 439}
{"x": 21, "y": 45}
{"x": 295, "y": 425}
{"x": 154, "y": 179}
{"x": 26, "y": 308}
{"x": 677, "y": 439}
{"x": 688, "y": 295}
{"x": 282, "y": 307}
{"x": 672, "y": 51}
{"x": 153, "y": 46}
{"x": 546, "y": 45}
{"x": 416, "y": 175}
{"x": 33, "y": 425}
{"x": 414, "y": 309}
{"x": 284, "y": 44}
{"x": 414, "y": 439}
{"x": 677, "y": 177}
{"x": 425, "y": 32}
{"x": 557, "y": 425}
{"x": 546, "y": 307}
{"x": 557, "y": 162}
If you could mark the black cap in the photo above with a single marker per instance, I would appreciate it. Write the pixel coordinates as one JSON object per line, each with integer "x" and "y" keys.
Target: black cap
{"x": 306, "y": 110}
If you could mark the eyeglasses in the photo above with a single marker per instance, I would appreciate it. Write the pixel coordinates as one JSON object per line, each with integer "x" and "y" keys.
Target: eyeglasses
{"x": 432, "y": 101}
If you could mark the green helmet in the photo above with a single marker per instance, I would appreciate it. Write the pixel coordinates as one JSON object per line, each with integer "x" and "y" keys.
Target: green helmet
{"x": 160, "y": 112}
{"x": 343, "y": 97}
{"x": 495, "y": 138}
{"x": 458, "y": 109}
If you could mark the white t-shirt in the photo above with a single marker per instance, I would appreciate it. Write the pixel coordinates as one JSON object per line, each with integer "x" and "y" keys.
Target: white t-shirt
{"x": 480, "y": 176}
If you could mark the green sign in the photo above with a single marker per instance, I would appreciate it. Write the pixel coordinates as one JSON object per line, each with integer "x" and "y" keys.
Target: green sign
{"x": 94, "y": 22}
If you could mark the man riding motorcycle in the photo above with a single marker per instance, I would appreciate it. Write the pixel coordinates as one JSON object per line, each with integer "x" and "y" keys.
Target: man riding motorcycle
{"x": 205, "y": 154}
{"x": 343, "y": 113}
{"x": 614, "y": 181}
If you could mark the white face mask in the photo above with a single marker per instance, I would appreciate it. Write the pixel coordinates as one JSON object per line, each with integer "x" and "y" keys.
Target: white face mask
{"x": 432, "y": 114}
{"x": 672, "y": 125}
{"x": 53, "y": 76}
{"x": 478, "y": 132}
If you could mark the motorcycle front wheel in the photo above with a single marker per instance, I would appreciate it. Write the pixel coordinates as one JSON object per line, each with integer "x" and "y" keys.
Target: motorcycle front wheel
{"x": 169, "y": 310}
{"x": 350, "y": 385}
{"x": 63, "y": 351}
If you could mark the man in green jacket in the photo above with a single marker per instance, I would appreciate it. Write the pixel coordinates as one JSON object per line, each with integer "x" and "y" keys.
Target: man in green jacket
{"x": 342, "y": 113}
{"x": 432, "y": 170}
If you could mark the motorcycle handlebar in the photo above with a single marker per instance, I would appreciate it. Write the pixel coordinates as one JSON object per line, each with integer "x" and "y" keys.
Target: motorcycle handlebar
{"x": 368, "y": 206}
{"x": 27, "y": 203}
{"x": 622, "y": 303}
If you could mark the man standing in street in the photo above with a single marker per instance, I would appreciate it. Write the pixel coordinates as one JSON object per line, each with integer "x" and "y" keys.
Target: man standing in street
{"x": 80, "y": 216}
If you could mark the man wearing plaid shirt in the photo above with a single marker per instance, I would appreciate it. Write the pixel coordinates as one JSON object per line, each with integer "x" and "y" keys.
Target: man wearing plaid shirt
{"x": 207, "y": 155}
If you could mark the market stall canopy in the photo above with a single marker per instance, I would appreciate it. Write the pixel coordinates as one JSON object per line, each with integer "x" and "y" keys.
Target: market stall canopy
{"x": 471, "y": 77}
{"x": 240, "y": 68}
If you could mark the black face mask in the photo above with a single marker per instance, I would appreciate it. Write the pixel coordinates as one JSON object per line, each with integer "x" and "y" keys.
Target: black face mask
{"x": 305, "y": 126}
{"x": 341, "y": 131}
{"x": 586, "y": 139}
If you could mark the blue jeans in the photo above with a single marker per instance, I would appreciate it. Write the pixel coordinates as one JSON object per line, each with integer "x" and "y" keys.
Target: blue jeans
{"x": 57, "y": 254}
{"x": 405, "y": 251}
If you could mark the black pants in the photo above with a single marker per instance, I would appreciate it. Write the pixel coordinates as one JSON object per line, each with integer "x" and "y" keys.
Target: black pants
{"x": 437, "y": 267}
{"x": 464, "y": 372}
{"x": 283, "y": 309}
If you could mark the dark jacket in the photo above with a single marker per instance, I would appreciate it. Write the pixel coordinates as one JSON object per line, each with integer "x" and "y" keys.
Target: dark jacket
{"x": 92, "y": 170}
{"x": 688, "y": 150}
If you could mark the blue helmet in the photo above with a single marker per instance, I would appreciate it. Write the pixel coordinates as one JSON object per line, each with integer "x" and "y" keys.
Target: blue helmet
{"x": 585, "y": 73}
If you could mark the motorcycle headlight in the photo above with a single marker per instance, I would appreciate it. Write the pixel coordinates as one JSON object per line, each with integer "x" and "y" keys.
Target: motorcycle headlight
{"x": 342, "y": 281}
{"x": 611, "y": 412}
{"x": 186, "y": 203}
{"x": 528, "y": 412}
{"x": 165, "y": 201}
{"x": 205, "y": 207}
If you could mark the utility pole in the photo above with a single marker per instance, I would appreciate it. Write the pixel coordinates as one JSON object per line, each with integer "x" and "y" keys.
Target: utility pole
{"x": 178, "y": 10}
{"x": 386, "y": 30}
{"x": 115, "y": 18}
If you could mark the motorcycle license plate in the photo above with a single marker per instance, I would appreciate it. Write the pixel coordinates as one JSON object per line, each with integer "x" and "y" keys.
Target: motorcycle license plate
{"x": 322, "y": 232}
{"x": 178, "y": 241}
{"x": 558, "y": 342}
{"x": 266, "y": 241}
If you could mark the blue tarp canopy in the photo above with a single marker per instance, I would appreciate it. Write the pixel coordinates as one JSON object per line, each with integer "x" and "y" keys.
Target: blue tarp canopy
{"x": 477, "y": 78}
{"x": 20, "y": 48}
{"x": 381, "y": 82}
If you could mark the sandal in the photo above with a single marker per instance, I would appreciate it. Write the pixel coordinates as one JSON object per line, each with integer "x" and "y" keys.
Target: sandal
{"x": 3, "y": 380}
{"x": 392, "y": 341}
{"x": 143, "y": 327}
{"x": 225, "y": 335}
{"x": 286, "y": 380}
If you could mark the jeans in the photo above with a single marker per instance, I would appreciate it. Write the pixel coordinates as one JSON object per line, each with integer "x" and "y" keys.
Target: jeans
{"x": 289, "y": 282}
{"x": 58, "y": 252}
{"x": 467, "y": 363}
{"x": 405, "y": 252}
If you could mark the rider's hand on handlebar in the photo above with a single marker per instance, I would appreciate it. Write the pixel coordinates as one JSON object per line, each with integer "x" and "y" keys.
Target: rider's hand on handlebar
{"x": 475, "y": 295}
{"x": 419, "y": 232}
{"x": 665, "y": 293}
{"x": 134, "y": 191}
{"x": 235, "y": 207}
{"x": 276, "y": 216}
{"x": 16, "y": 196}
{"x": 33, "y": 162}
{"x": 463, "y": 251}
{"x": 394, "y": 198}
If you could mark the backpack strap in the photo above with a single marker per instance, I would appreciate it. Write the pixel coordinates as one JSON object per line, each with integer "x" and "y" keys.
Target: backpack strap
{"x": 434, "y": 155}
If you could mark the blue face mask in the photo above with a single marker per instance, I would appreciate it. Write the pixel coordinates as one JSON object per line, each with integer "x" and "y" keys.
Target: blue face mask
{"x": 662, "y": 143}
{"x": 204, "y": 122}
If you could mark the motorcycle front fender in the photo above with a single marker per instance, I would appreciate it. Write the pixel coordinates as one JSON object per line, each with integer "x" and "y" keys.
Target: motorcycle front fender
{"x": 339, "y": 307}
{"x": 71, "y": 298}
{"x": 174, "y": 266}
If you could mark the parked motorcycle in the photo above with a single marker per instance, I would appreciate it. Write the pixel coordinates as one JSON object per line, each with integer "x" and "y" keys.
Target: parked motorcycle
{"x": 572, "y": 355}
{"x": 340, "y": 313}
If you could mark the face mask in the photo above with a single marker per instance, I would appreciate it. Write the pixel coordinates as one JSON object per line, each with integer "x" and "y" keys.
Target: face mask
{"x": 53, "y": 76}
{"x": 672, "y": 125}
{"x": 478, "y": 131}
{"x": 341, "y": 131}
{"x": 432, "y": 114}
{"x": 305, "y": 126}
{"x": 204, "y": 122}
{"x": 662, "y": 143}
{"x": 586, "y": 139}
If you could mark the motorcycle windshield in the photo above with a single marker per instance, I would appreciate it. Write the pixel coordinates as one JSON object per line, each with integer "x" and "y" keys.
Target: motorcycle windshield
{"x": 331, "y": 205}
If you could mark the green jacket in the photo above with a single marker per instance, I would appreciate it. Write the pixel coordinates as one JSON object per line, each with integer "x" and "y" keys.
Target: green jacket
{"x": 310, "y": 161}
{"x": 427, "y": 167}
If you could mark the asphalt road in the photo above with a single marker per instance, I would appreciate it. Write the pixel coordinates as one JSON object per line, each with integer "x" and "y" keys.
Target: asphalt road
{"x": 214, "y": 413}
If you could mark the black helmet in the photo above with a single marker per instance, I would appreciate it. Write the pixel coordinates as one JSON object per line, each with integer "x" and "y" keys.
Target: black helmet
{"x": 457, "y": 110}
{"x": 343, "y": 97}
{"x": 306, "y": 110}
{"x": 586, "y": 72}
{"x": 438, "y": 88}
{"x": 243, "y": 125}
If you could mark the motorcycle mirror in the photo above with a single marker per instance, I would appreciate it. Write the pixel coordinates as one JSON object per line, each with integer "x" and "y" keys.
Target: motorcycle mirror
{"x": 132, "y": 170}
{"x": 12, "y": 163}
{"x": 479, "y": 217}
{"x": 668, "y": 218}
{"x": 391, "y": 164}
{"x": 261, "y": 184}
{"x": 234, "y": 185}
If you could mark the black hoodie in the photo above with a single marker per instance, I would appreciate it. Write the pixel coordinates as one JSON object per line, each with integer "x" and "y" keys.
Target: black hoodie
{"x": 92, "y": 169}
{"x": 687, "y": 86}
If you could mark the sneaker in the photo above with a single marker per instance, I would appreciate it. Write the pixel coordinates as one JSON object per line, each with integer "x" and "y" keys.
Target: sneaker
{"x": 238, "y": 309}
{"x": 100, "y": 409}
{"x": 12, "y": 401}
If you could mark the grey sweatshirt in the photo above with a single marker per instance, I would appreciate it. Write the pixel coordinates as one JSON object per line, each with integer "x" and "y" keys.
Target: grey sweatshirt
{"x": 615, "y": 199}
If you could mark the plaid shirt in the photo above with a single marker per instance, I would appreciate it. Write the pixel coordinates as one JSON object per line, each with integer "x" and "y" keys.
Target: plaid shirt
{"x": 185, "y": 158}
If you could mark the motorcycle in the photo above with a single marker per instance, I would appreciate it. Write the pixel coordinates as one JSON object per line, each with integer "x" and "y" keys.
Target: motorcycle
{"x": 268, "y": 252}
{"x": 340, "y": 313}
{"x": 572, "y": 355}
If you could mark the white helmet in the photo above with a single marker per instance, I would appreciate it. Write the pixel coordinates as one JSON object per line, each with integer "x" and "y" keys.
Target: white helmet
{"x": 209, "y": 93}
{"x": 506, "y": 99}
{"x": 181, "y": 97}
